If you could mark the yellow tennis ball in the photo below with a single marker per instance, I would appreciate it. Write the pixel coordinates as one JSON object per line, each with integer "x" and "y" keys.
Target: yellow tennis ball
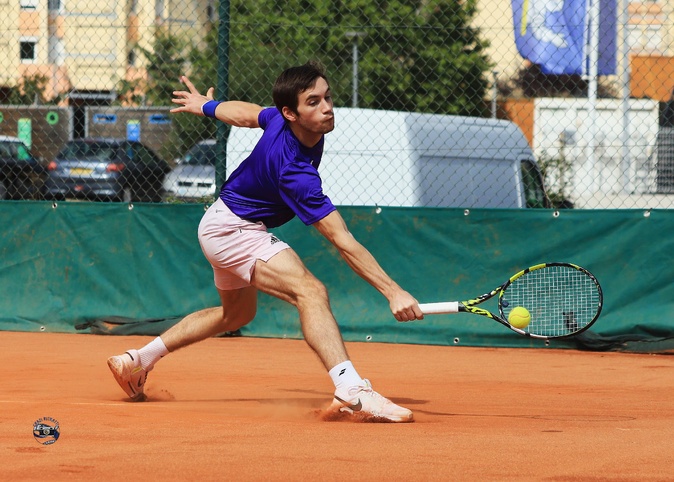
{"x": 519, "y": 317}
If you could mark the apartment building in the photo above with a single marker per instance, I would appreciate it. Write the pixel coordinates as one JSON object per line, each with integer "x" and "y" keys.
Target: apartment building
{"x": 86, "y": 47}
{"x": 651, "y": 41}
{"x": 650, "y": 34}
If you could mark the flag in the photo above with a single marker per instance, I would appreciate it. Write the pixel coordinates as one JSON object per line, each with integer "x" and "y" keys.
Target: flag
{"x": 554, "y": 34}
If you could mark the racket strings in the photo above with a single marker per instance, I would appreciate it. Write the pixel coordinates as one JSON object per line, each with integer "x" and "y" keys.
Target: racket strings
{"x": 560, "y": 299}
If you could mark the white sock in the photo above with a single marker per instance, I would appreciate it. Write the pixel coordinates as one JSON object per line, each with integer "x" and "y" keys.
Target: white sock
{"x": 345, "y": 376}
{"x": 151, "y": 353}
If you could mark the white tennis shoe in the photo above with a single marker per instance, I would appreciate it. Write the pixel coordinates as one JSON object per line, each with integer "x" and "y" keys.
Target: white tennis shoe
{"x": 130, "y": 375}
{"x": 367, "y": 405}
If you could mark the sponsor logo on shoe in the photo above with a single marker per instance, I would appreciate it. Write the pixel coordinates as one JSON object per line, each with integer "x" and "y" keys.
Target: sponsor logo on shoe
{"x": 355, "y": 407}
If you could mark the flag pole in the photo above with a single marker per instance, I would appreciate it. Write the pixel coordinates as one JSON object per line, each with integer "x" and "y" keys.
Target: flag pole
{"x": 624, "y": 17}
{"x": 593, "y": 66}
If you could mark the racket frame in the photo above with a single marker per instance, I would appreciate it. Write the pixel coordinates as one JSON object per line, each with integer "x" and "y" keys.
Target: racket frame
{"x": 470, "y": 306}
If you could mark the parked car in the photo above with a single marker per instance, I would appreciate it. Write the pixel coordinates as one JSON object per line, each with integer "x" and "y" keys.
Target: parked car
{"x": 21, "y": 175}
{"x": 104, "y": 169}
{"x": 193, "y": 178}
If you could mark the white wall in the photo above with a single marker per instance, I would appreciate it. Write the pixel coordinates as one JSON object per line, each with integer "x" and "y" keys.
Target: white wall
{"x": 562, "y": 128}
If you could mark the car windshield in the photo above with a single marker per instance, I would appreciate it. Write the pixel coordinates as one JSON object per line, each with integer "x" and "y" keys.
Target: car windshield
{"x": 201, "y": 156}
{"x": 88, "y": 150}
{"x": 14, "y": 150}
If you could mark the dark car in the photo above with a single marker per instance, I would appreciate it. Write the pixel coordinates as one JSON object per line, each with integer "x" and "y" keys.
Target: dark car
{"x": 21, "y": 175}
{"x": 106, "y": 170}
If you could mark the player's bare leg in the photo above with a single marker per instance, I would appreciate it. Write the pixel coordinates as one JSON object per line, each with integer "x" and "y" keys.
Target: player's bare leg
{"x": 132, "y": 367}
{"x": 286, "y": 277}
{"x": 238, "y": 309}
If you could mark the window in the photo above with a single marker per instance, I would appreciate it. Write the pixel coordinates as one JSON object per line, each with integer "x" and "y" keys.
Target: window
{"x": 27, "y": 50}
{"x": 653, "y": 34}
{"x": 131, "y": 58}
{"x": 22, "y": 153}
{"x": 14, "y": 150}
{"x": 210, "y": 11}
{"x": 28, "y": 4}
{"x": 159, "y": 9}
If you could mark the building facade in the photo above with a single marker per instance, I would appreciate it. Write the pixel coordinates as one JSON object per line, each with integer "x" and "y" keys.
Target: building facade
{"x": 85, "y": 48}
{"x": 650, "y": 37}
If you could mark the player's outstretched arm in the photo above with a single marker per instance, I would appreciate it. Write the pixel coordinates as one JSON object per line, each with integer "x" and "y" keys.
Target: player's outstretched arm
{"x": 235, "y": 113}
{"x": 403, "y": 305}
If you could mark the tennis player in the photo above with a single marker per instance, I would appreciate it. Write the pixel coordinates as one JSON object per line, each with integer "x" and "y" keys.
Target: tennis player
{"x": 278, "y": 181}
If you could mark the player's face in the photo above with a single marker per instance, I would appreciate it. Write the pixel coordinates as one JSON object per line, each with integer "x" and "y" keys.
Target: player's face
{"x": 314, "y": 109}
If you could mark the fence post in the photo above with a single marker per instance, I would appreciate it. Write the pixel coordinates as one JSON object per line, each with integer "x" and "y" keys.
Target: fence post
{"x": 222, "y": 91}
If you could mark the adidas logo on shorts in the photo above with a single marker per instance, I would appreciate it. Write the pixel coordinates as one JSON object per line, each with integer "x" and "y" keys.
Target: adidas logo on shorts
{"x": 274, "y": 239}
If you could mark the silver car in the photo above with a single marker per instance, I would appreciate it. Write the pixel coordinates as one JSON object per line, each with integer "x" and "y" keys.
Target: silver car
{"x": 193, "y": 178}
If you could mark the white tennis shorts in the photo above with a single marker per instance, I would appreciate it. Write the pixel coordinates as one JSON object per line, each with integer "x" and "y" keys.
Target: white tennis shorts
{"x": 232, "y": 245}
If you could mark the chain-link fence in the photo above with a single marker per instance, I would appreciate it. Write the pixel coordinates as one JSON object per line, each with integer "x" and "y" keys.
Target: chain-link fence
{"x": 513, "y": 95}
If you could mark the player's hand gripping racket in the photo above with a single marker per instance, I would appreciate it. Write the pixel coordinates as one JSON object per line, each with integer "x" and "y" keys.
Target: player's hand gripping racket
{"x": 562, "y": 299}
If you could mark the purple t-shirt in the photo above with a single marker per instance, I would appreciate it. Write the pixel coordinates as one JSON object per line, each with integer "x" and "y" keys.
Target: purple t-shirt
{"x": 279, "y": 179}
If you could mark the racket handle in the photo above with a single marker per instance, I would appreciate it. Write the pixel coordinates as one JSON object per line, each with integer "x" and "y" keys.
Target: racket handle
{"x": 439, "y": 308}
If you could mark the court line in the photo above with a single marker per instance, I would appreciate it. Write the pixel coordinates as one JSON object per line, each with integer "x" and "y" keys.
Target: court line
{"x": 56, "y": 402}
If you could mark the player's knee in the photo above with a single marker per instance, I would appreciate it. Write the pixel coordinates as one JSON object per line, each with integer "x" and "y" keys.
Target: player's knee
{"x": 233, "y": 324}
{"x": 314, "y": 290}
{"x": 235, "y": 320}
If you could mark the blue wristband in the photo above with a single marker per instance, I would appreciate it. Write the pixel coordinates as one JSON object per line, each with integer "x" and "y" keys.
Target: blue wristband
{"x": 208, "y": 109}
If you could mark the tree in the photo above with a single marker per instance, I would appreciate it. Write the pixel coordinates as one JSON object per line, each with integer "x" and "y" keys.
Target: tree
{"x": 530, "y": 81}
{"x": 30, "y": 90}
{"x": 166, "y": 60}
{"x": 416, "y": 55}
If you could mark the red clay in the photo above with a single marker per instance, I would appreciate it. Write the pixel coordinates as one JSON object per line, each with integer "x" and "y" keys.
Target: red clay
{"x": 249, "y": 409}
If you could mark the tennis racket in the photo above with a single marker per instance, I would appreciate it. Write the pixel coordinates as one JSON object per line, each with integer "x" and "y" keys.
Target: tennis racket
{"x": 562, "y": 299}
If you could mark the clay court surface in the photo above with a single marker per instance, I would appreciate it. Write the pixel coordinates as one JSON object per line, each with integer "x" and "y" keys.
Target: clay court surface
{"x": 249, "y": 409}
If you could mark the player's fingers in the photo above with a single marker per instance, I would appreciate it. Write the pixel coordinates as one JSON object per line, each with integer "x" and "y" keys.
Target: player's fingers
{"x": 189, "y": 84}
{"x": 406, "y": 315}
{"x": 210, "y": 93}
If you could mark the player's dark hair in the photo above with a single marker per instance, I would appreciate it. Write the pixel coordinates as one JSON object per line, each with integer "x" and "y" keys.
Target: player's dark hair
{"x": 293, "y": 81}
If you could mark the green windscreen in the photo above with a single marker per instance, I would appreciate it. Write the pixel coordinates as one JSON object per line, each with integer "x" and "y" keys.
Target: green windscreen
{"x": 120, "y": 269}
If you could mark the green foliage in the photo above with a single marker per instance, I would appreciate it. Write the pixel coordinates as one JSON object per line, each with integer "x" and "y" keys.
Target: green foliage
{"x": 30, "y": 90}
{"x": 166, "y": 61}
{"x": 187, "y": 130}
{"x": 207, "y": 200}
{"x": 128, "y": 92}
{"x": 556, "y": 173}
{"x": 414, "y": 56}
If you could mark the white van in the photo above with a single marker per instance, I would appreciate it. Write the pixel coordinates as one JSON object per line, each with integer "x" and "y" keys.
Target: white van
{"x": 388, "y": 158}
